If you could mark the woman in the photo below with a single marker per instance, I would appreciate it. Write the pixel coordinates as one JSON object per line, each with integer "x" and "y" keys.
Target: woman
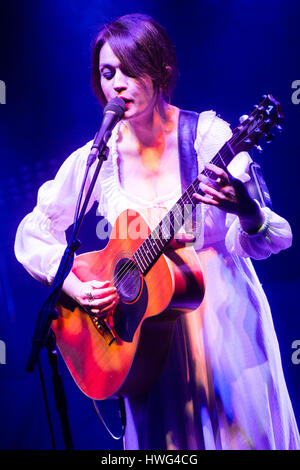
{"x": 223, "y": 385}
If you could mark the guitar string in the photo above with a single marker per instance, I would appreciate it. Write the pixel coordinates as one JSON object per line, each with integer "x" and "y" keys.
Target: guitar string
{"x": 217, "y": 159}
{"x": 184, "y": 198}
{"x": 127, "y": 266}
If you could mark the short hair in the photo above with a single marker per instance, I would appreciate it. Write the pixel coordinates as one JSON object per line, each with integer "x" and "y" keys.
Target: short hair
{"x": 143, "y": 48}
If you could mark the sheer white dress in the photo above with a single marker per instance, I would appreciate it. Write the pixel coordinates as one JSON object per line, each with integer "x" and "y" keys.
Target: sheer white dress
{"x": 223, "y": 385}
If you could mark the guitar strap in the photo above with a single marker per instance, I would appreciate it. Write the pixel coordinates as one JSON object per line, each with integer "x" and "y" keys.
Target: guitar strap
{"x": 257, "y": 186}
{"x": 187, "y": 130}
{"x": 188, "y": 161}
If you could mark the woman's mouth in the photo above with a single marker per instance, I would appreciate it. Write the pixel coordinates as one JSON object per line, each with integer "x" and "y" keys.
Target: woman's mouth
{"x": 127, "y": 101}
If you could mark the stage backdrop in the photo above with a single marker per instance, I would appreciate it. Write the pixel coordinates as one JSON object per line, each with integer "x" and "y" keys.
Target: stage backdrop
{"x": 230, "y": 53}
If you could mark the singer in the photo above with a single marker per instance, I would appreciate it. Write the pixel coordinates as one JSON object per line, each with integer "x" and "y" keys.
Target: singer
{"x": 222, "y": 386}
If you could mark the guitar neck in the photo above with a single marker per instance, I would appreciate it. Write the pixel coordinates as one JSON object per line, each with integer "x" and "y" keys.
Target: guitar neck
{"x": 155, "y": 244}
{"x": 257, "y": 125}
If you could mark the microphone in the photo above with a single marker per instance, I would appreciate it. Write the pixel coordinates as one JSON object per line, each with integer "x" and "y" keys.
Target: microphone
{"x": 112, "y": 114}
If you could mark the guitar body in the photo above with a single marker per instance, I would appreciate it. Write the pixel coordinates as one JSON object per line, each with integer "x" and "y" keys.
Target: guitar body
{"x": 124, "y": 353}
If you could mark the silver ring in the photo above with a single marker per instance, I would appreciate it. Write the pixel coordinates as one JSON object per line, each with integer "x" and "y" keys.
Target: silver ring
{"x": 90, "y": 296}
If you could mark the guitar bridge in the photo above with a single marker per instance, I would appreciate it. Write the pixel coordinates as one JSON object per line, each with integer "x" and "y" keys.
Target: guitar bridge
{"x": 104, "y": 329}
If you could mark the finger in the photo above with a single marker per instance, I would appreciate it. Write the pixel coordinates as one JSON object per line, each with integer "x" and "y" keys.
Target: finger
{"x": 204, "y": 179}
{"x": 180, "y": 240}
{"x": 103, "y": 310}
{"x": 102, "y": 293}
{"x": 184, "y": 237}
{"x": 95, "y": 283}
{"x": 219, "y": 172}
{"x": 206, "y": 200}
{"x": 103, "y": 302}
{"x": 88, "y": 288}
{"x": 208, "y": 190}
{"x": 214, "y": 181}
{"x": 208, "y": 181}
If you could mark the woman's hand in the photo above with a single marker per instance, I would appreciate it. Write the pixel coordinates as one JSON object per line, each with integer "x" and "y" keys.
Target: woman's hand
{"x": 230, "y": 195}
{"x": 181, "y": 240}
{"x": 96, "y": 296}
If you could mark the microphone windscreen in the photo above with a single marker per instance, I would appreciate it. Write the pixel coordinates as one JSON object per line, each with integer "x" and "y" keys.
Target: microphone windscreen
{"x": 116, "y": 105}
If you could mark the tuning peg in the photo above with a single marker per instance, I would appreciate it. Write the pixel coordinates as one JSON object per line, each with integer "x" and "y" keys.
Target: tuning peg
{"x": 258, "y": 148}
{"x": 243, "y": 118}
{"x": 279, "y": 128}
{"x": 258, "y": 107}
{"x": 248, "y": 142}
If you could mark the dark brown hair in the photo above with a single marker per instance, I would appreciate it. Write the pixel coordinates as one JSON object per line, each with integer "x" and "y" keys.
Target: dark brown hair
{"x": 142, "y": 47}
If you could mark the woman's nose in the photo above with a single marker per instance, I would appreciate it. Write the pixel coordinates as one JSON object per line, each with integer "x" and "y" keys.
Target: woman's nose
{"x": 119, "y": 89}
{"x": 120, "y": 83}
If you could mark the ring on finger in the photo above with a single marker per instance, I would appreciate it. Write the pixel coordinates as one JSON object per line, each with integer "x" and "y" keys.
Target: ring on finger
{"x": 221, "y": 182}
{"x": 90, "y": 296}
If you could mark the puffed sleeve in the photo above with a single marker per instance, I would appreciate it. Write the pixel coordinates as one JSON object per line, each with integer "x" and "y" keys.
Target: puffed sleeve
{"x": 273, "y": 236}
{"x": 41, "y": 240}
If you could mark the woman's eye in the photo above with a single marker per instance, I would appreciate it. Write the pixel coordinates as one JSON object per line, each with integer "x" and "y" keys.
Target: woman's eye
{"x": 108, "y": 74}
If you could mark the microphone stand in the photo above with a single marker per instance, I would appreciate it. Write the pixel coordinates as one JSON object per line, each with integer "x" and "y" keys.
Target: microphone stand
{"x": 43, "y": 335}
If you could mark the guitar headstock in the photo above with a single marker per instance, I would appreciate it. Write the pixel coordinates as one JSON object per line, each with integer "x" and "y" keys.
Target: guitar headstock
{"x": 257, "y": 125}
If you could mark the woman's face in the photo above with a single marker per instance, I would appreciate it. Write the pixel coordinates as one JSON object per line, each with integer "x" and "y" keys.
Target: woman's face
{"x": 138, "y": 93}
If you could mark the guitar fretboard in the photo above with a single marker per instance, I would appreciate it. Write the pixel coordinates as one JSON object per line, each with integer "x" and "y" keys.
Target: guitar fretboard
{"x": 154, "y": 245}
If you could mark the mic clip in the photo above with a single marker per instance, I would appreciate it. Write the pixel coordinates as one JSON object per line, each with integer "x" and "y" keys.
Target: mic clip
{"x": 94, "y": 153}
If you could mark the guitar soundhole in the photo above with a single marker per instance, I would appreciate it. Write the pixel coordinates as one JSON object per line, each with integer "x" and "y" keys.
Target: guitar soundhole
{"x": 127, "y": 279}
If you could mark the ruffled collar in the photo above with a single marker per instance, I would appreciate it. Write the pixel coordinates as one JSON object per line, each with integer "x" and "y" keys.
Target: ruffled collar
{"x": 156, "y": 202}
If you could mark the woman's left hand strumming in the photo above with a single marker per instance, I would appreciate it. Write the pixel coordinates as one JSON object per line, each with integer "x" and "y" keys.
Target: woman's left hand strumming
{"x": 229, "y": 194}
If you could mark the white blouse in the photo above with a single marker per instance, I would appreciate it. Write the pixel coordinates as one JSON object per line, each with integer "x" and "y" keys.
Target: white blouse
{"x": 41, "y": 241}
{"x": 224, "y": 373}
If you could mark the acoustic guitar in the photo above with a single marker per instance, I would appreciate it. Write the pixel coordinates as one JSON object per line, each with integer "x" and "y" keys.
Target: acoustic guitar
{"x": 123, "y": 352}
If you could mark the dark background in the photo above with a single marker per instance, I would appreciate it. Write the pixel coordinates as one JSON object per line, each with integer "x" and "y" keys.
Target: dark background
{"x": 230, "y": 53}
